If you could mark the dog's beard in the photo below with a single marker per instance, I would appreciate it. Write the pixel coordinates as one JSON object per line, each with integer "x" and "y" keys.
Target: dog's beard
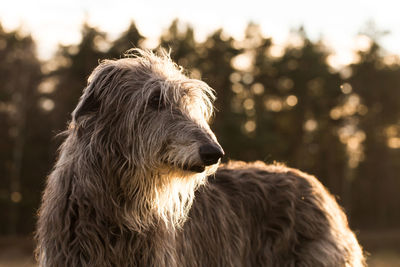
{"x": 174, "y": 195}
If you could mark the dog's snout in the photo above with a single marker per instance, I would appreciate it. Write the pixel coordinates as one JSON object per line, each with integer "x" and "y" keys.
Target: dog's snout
{"x": 210, "y": 154}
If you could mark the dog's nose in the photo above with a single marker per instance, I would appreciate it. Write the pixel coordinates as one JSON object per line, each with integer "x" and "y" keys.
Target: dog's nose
{"x": 210, "y": 154}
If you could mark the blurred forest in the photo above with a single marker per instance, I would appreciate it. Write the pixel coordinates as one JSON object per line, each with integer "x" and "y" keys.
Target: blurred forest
{"x": 274, "y": 103}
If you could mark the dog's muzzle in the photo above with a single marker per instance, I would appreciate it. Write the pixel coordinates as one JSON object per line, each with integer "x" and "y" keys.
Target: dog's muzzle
{"x": 209, "y": 154}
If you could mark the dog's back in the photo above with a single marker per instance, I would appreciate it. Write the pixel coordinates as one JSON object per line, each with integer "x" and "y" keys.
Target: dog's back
{"x": 267, "y": 215}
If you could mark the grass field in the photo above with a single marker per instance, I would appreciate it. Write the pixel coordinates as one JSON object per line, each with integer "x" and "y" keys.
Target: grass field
{"x": 383, "y": 248}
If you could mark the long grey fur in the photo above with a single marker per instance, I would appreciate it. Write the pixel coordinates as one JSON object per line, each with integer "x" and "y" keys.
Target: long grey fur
{"x": 130, "y": 189}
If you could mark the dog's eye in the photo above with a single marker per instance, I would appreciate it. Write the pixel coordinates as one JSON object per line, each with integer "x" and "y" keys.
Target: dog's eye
{"x": 156, "y": 101}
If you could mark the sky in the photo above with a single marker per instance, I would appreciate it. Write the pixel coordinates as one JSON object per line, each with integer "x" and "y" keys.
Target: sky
{"x": 336, "y": 22}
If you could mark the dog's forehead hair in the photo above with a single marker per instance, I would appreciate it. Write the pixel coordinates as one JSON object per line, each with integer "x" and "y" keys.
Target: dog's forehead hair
{"x": 159, "y": 74}
{"x": 187, "y": 95}
{"x": 148, "y": 73}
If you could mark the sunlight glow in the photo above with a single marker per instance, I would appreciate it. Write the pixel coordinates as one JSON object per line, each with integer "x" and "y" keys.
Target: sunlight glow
{"x": 363, "y": 42}
{"x": 394, "y": 142}
{"x": 242, "y": 62}
{"x": 248, "y": 104}
{"x": 273, "y": 104}
{"x": 353, "y": 139}
{"x": 346, "y": 88}
{"x": 338, "y": 60}
{"x": 276, "y": 51}
{"x": 237, "y": 88}
{"x": 392, "y": 133}
{"x": 235, "y": 77}
{"x": 54, "y": 22}
{"x": 247, "y": 78}
{"x": 350, "y": 107}
{"x": 291, "y": 100}
{"x": 16, "y": 197}
{"x": 250, "y": 126}
{"x": 257, "y": 88}
{"x": 310, "y": 125}
{"x": 47, "y": 86}
{"x": 335, "y": 113}
{"x": 46, "y": 104}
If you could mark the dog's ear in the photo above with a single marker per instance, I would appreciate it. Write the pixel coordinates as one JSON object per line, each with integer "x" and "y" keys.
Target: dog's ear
{"x": 87, "y": 104}
{"x": 90, "y": 101}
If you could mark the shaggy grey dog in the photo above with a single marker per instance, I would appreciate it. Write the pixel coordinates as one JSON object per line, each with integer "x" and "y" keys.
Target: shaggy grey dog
{"x": 136, "y": 184}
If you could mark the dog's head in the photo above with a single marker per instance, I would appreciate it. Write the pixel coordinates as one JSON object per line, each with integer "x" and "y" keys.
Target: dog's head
{"x": 144, "y": 108}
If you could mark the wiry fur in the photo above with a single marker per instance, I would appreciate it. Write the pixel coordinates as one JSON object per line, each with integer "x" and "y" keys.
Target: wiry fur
{"x": 121, "y": 194}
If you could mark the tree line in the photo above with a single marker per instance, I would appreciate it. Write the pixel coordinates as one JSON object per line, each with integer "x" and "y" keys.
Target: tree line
{"x": 275, "y": 103}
